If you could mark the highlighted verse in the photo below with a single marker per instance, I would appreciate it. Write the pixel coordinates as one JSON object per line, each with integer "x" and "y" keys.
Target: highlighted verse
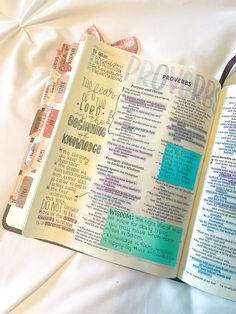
{"x": 142, "y": 237}
{"x": 179, "y": 166}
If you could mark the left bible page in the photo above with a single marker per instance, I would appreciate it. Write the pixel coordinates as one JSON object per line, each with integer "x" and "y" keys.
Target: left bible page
{"x": 122, "y": 167}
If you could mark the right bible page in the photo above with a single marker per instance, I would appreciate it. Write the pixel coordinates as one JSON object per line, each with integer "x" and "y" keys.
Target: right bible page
{"x": 209, "y": 260}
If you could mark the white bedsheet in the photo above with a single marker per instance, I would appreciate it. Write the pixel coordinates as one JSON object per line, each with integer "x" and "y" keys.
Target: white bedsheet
{"x": 36, "y": 277}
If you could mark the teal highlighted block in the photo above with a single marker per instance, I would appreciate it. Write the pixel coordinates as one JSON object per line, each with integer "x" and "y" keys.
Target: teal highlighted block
{"x": 146, "y": 238}
{"x": 179, "y": 166}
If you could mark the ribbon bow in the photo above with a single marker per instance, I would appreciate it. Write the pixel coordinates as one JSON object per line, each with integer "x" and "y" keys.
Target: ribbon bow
{"x": 129, "y": 43}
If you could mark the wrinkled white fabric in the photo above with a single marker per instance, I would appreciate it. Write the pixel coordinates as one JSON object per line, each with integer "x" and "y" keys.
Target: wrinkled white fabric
{"x": 36, "y": 277}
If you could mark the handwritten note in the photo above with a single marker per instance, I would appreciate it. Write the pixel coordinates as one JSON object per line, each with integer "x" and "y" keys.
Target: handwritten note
{"x": 142, "y": 237}
{"x": 179, "y": 166}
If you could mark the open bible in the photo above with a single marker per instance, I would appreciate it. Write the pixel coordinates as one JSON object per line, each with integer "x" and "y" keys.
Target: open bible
{"x": 133, "y": 161}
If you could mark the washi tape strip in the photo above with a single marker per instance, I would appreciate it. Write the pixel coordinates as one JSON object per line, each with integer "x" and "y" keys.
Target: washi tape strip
{"x": 37, "y": 123}
{"x": 24, "y": 191}
{"x": 51, "y": 120}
